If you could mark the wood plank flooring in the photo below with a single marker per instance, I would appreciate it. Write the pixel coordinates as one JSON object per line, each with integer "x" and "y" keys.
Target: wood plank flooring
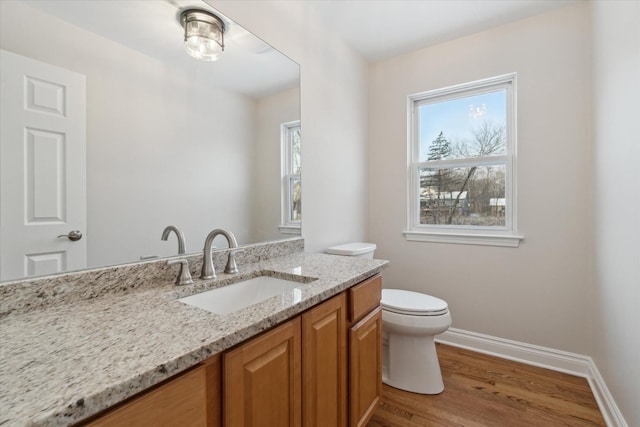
{"x": 485, "y": 391}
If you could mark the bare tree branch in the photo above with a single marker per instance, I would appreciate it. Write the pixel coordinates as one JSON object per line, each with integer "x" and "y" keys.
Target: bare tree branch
{"x": 488, "y": 138}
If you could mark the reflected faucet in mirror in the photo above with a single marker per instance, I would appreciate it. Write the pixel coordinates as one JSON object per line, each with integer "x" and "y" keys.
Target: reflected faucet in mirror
{"x": 208, "y": 270}
{"x": 179, "y": 235}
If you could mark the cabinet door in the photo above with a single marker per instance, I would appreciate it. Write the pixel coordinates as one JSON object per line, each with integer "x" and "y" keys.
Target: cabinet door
{"x": 262, "y": 380}
{"x": 324, "y": 364}
{"x": 191, "y": 399}
{"x": 365, "y": 371}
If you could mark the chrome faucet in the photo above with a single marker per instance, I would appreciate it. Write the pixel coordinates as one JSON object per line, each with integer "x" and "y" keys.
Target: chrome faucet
{"x": 179, "y": 234}
{"x": 184, "y": 276}
{"x": 208, "y": 270}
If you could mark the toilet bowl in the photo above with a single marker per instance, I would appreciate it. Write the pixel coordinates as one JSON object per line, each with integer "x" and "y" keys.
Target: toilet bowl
{"x": 410, "y": 321}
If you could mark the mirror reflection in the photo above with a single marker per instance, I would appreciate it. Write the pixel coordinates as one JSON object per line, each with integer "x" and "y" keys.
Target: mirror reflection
{"x": 124, "y": 134}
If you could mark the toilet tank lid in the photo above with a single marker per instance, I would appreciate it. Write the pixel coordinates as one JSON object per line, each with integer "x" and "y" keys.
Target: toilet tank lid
{"x": 352, "y": 249}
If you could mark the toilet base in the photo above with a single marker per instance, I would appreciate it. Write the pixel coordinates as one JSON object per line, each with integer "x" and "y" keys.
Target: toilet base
{"x": 409, "y": 357}
{"x": 412, "y": 364}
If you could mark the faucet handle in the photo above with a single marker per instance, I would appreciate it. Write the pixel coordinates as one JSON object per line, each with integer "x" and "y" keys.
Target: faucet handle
{"x": 231, "y": 267}
{"x": 184, "y": 276}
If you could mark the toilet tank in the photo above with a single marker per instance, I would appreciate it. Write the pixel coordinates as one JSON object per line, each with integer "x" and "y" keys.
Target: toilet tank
{"x": 362, "y": 250}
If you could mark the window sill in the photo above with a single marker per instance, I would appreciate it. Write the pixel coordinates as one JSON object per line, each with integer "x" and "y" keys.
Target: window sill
{"x": 290, "y": 229}
{"x": 464, "y": 239}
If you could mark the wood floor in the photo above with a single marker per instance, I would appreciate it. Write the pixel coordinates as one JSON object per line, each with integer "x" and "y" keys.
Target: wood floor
{"x": 482, "y": 390}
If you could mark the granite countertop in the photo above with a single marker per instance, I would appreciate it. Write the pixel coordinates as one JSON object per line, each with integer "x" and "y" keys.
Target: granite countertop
{"x": 62, "y": 363}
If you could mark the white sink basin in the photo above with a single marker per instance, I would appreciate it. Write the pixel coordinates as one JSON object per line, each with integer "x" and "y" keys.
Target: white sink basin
{"x": 240, "y": 295}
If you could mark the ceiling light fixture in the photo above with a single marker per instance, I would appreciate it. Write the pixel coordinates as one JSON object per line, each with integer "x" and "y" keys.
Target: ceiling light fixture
{"x": 203, "y": 34}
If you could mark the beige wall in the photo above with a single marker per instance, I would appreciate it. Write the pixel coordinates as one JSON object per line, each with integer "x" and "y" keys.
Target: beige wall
{"x": 537, "y": 293}
{"x": 334, "y": 117}
{"x": 616, "y": 197}
{"x": 271, "y": 112}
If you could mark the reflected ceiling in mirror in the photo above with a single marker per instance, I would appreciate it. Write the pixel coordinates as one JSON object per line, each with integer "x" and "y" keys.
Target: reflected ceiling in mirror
{"x": 170, "y": 140}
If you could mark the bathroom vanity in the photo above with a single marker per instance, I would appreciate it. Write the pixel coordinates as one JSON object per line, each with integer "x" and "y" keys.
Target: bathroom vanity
{"x": 96, "y": 354}
{"x": 320, "y": 368}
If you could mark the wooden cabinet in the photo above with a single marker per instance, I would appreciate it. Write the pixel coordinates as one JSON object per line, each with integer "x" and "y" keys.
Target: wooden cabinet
{"x": 262, "y": 380}
{"x": 365, "y": 368}
{"x": 364, "y": 298}
{"x": 189, "y": 399}
{"x": 365, "y": 350}
{"x": 324, "y": 364}
{"x": 341, "y": 365}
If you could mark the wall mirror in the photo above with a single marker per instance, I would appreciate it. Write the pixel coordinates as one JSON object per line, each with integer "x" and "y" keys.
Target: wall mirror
{"x": 170, "y": 140}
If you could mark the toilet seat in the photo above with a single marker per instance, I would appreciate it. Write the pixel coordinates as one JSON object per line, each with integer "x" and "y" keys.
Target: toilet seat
{"x": 412, "y": 303}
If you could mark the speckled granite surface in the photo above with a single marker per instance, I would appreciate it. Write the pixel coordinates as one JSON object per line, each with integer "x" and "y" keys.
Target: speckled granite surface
{"x": 85, "y": 351}
{"x": 26, "y": 295}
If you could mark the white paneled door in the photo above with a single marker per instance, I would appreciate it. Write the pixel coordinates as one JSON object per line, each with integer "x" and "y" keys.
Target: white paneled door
{"x": 42, "y": 168}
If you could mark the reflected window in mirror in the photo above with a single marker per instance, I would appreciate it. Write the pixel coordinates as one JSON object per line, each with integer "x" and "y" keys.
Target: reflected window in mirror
{"x": 291, "y": 193}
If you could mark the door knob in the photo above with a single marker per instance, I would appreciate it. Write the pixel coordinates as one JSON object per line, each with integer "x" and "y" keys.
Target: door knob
{"x": 73, "y": 235}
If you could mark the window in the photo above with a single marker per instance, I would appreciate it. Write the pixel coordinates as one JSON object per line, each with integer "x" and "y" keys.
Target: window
{"x": 462, "y": 164}
{"x": 291, "y": 184}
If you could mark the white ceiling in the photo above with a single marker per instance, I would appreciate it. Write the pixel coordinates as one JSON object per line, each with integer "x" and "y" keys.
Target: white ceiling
{"x": 248, "y": 65}
{"x": 380, "y": 29}
{"x": 377, "y": 29}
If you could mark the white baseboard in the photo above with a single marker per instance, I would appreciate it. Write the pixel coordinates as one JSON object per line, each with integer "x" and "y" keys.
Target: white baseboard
{"x": 544, "y": 357}
{"x": 608, "y": 407}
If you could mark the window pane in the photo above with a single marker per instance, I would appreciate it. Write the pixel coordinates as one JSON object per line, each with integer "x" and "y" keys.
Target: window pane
{"x": 295, "y": 150}
{"x": 470, "y": 126}
{"x": 295, "y": 192}
{"x": 463, "y": 196}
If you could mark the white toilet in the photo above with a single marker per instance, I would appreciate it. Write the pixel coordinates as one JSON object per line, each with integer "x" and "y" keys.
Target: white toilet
{"x": 410, "y": 321}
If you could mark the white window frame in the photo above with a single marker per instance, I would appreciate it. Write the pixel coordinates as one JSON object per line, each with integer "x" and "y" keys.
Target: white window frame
{"x": 287, "y": 225}
{"x": 462, "y": 234}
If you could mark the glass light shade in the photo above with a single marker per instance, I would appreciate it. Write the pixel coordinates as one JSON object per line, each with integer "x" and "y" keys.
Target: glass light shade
{"x": 203, "y": 35}
{"x": 202, "y": 48}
